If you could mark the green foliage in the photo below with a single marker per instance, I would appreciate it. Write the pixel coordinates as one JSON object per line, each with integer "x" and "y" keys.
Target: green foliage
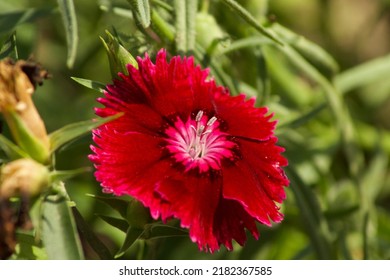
{"x": 59, "y": 233}
{"x": 69, "y": 20}
{"x": 330, "y": 94}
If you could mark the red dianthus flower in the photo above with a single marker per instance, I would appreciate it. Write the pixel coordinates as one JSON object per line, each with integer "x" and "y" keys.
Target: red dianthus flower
{"x": 187, "y": 149}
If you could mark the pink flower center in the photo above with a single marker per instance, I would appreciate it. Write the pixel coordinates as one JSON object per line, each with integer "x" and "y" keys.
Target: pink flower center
{"x": 199, "y": 143}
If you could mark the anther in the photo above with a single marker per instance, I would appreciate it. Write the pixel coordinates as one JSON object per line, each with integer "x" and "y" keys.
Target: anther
{"x": 211, "y": 121}
{"x": 199, "y": 116}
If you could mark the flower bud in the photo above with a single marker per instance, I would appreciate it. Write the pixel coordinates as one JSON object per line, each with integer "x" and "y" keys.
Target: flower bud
{"x": 118, "y": 56}
{"x": 23, "y": 177}
{"x": 17, "y": 84}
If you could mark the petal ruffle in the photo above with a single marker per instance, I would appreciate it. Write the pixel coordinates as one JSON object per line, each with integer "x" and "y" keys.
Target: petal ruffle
{"x": 242, "y": 183}
{"x": 120, "y": 158}
{"x": 242, "y": 119}
{"x": 194, "y": 200}
{"x": 230, "y": 221}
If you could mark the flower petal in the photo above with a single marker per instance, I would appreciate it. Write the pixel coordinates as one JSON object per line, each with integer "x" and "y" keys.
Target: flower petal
{"x": 120, "y": 158}
{"x": 266, "y": 162}
{"x": 178, "y": 87}
{"x": 242, "y": 183}
{"x": 230, "y": 222}
{"x": 194, "y": 200}
{"x": 242, "y": 119}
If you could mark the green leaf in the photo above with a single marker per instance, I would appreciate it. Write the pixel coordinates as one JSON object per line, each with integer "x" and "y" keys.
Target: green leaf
{"x": 87, "y": 233}
{"x": 118, "y": 204}
{"x": 62, "y": 175}
{"x": 28, "y": 248}
{"x": 9, "y": 48}
{"x": 26, "y": 140}
{"x": 311, "y": 214}
{"x": 118, "y": 56}
{"x": 11, "y": 150}
{"x": 309, "y": 50}
{"x": 185, "y": 24}
{"x": 69, "y": 20}
{"x": 245, "y": 15}
{"x": 162, "y": 28}
{"x": 72, "y": 131}
{"x": 341, "y": 213}
{"x": 191, "y": 11}
{"x": 132, "y": 235}
{"x": 90, "y": 84}
{"x": 141, "y": 10}
{"x": 363, "y": 74}
{"x": 155, "y": 230}
{"x": 10, "y": 20}
{"x": 180, "y": 26}
{"x": 120, "y": 224}
{"x": 304, "y": 118}
{"x": 339, "y": 110}
{"x": 244, "y": 43}
{"x": 59, "y": 234}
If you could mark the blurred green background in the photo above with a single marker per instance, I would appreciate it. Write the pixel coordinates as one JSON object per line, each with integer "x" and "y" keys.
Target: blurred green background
{"x": 333, "y": 109}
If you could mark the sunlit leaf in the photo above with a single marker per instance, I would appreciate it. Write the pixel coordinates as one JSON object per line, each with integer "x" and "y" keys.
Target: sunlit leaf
{"x": 62, "y": 175}
{"x": 75, "y": 130}
{"x": 11, "y": 150}
{"x": 100, "y": 87}
{"x": 26, "y": 140}
{"x": 59, "y": 233}
{"x": 29, "y": 248}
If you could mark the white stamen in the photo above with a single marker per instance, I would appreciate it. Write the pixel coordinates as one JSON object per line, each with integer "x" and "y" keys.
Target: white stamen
{"x": 199, "y": 116}
{"x": 211, "y": 121}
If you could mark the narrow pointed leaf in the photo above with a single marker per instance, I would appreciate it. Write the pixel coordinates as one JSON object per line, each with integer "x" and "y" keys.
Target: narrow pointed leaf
{"x": 11, "y": 150}
{"x": 141, "y": 9}
{"x": 162, "y": 231}
{"x": 191, "y": 10}
{"x": 69, "y": 20}
{"x": 304, "y": 118}
{"x": 118, "y": 204}
{"x": 309, "y": 50}
{"x": 10, "y": 20}
{"x": 25, "y": 139}
{"x": 72, "y": 131}
{"x": 180, "y": 26}
{"x": 311, "y": 214}
{"x": 62, "y": 175}
{"x": 245, "y": 15}
{"x": 9, "y": 48}
{"x": 120, "y": 224}
{"x": 132, "y": 235}
{"x": 95, "y": 243}
{"x": 90, "y": 84}
{"x": 363, "y": 74}
{"x": 59, "y": 232}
